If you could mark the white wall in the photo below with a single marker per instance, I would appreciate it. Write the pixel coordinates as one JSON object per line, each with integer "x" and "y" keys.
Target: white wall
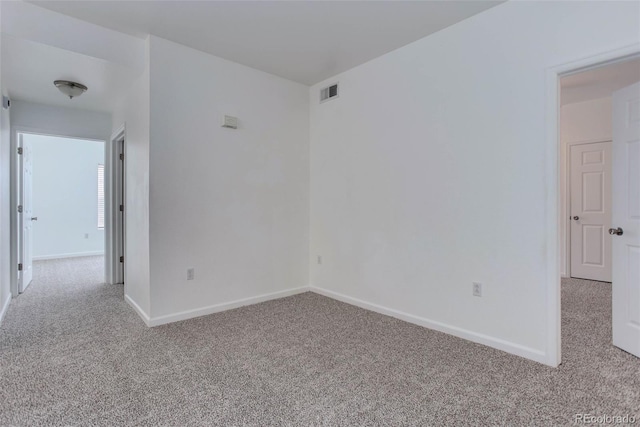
{"x": 30, "y": 22}
{"x": 233, "y": 204}
{"x": 588, "y": 121}
{"x": 5, "y": 288}
{"x": 133, "y": 112}
{"x": 60, "y": 121}
{"x": 428, "y": 172}
{"x": 65, "y": 197}
{"x": 5, "y": 194}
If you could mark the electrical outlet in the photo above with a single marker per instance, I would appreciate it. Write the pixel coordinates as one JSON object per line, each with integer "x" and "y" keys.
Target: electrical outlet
{"x": 191, "y": 273}
{"x": 319, "y": 259}
{"x": 477, "y": 289}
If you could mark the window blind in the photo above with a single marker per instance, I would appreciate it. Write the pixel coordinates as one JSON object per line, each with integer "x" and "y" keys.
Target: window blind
{"x": 100, "y": 196}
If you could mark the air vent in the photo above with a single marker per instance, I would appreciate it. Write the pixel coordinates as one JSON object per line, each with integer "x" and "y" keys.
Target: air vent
{"x": 329, "y": 92}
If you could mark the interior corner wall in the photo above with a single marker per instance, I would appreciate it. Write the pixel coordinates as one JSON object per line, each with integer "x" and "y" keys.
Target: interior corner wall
{"x": 133, "y": 113}
{"x": 428, "y": 172}
{"x": 232, "y": 204}
{"x": 588, "y": 121}
{"x": 5, "y": 288}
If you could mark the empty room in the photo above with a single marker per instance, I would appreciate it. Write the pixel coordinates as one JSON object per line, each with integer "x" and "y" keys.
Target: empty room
{"x": 297, "y": 213}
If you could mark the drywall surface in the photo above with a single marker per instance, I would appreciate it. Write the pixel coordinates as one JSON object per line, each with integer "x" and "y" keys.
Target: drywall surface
{"x": 5, "y": 198}
{"x": 30, "y": 22}
{"x": 65, "y": 196}
{"x": 60, "y": 121}
{"x": 232, "y": 204}
{"x": 5, "y": 143}
{"x": 133, "y": 112}
{"x": 428, "y": 171}
{"x": 588, "y": 121}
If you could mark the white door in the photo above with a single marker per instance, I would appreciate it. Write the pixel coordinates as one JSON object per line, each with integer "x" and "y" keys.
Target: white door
{"x": 625, "y": 229}
{"x": 27, "y": 218}
{"x": 591, "y": 211}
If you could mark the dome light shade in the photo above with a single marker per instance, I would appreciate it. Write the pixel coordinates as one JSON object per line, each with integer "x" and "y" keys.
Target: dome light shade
{"x": 70, "y": 89}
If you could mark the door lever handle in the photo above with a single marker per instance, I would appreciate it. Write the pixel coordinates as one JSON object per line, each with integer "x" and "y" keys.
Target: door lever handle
{"x": 575, "y": 218}
{"x": 34, "y": 218}
{"x": 615, "y": 231}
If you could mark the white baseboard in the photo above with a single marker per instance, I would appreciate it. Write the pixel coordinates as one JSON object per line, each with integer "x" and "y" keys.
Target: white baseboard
{"x": 509, "y": 347}
{"x": 70, "y": 255}
{"x": 4, "y": 308}
{"x": 197, "y": 312}
{"x": 497, "y": 343}
{"x": 144, "y": 316}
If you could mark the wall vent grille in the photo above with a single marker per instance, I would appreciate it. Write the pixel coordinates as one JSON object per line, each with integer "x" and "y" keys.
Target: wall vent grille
{"x": 329, "y": 92}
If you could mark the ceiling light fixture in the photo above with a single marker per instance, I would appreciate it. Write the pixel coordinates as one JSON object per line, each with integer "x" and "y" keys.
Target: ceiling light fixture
{"x": 70, "y": 89}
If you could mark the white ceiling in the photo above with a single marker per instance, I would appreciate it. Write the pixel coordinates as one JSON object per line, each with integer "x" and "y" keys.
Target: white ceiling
{"x": 599, "y": 82}
{"x": 304, "y": 41}
{"x": 33, "y": 67}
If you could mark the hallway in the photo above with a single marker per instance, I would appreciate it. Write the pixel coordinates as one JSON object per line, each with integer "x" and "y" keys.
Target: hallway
{"x": 65, "y": 294}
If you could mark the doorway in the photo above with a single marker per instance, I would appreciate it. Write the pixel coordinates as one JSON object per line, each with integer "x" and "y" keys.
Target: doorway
{"x": 115, "y": 208}
{"x": 66, "y": 217}
{"x": 61, "y": 204}
{"x": 599, "y": 229}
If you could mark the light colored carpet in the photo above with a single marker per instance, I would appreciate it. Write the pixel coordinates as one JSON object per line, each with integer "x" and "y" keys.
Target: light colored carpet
{"x": 73, "y": 353}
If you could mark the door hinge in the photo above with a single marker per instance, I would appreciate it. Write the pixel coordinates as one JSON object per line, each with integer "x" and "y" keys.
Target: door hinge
{"x": 20, "y": 267}
{"x": 19, "y": 150}
{"x": 121, "y": 156}
{"x": 121, "y": 208}
{"x": 19, "y": 208}
{"x": 121, "y": 259}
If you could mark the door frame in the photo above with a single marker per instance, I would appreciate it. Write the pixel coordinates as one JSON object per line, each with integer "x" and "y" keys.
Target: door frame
{"x": 115, "y": 178}
{"x": 15, "y": 244}
{"x": 552, "y": 171}
{"x": 14, "y": 181}
{"x": 567, "y": 196}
